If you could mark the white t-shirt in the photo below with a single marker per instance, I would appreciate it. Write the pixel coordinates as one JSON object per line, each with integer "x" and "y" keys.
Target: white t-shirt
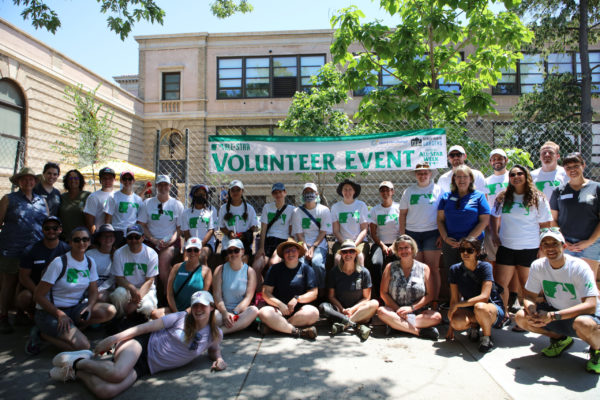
{"x": 135, "y": 267}
{"x": 124, "y": 210}
{"x": 69, "y": 290}
{"x": 494, "y": 184}
{"x": 103, "y": 268}
{"x": 546, "y": 182}
{"x": 386, "y": 219}
{"x": 519, "y": 226}
{"x": 350, "y": 216}
{"x": 198, "y": 222}
{"x": 302, "y": 223}
{"x": 236, "y": 223}
{"x": 422, "y": 204}
{"x": 161, "y": 225}
{"x": 563, "y": 287}
{"x": 95, "y": 204}
{"x": 445, "y": 180}
{"x": 280, "y": 228}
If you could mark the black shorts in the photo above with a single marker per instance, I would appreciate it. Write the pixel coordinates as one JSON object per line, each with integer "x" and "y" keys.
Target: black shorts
{"x": 271, "y": 243}
{"x": 524, "y": 258}
{"x": 141, "y": 367}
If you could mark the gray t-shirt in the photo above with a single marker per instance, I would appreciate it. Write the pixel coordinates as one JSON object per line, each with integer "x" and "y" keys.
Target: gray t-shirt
{"x": 578, "y": 210}
{"x": 348, "y": 288}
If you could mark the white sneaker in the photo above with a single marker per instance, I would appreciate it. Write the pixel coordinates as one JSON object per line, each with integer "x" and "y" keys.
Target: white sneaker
{"x": 66, "y": 358}
{"x": 62, "y": 374}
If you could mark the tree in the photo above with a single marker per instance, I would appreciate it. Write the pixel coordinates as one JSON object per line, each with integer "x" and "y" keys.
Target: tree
{"x": 424, "y": 56}
{"x": 89, "y": 131}
{"x": 123, "y": 14}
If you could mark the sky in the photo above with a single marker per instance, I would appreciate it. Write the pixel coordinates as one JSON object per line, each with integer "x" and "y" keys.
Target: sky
{"x": 85, "y": 37}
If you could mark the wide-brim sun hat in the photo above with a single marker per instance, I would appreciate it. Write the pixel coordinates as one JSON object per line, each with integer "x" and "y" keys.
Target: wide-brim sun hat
{"x": 25, "y": 171}
{"x": 288, "y": 243}
{"x": 348, "y": 244}
{"x": 354, "y": 185}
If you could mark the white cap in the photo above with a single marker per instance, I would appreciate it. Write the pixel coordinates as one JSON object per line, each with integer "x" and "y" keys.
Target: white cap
{"x": 553, "y": 233}
{"x": 458, "y": 148}
{"x": 193, "y": 242}
{"x": 387, "y": 184}
{"x": 500, "y": 152}
{"x": 235, "y": 243}
{"x": 310, "y": 185}
{"x": 236, "y": 183}
{"x": 202, "y": 297}
{"x": 163, "y": 178}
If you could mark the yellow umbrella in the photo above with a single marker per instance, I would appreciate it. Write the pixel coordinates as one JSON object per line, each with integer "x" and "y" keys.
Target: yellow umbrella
{"x": 118, "y": 166}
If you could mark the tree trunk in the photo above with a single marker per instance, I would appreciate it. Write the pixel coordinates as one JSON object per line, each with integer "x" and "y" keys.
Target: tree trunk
{"x": 586, "y": 83}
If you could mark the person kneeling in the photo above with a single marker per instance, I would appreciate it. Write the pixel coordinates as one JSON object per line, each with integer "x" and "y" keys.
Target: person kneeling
{"x": 158, "y": 345}
{"x": 572, "y": 307}
{"x": 288, "y": 288}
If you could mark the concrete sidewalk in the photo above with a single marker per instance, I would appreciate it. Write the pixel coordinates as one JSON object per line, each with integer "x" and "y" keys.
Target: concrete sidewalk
{"x": 396, "y": 366}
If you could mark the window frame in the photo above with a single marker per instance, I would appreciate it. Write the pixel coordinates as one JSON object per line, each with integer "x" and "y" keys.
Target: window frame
{"x": 164, "y": 91}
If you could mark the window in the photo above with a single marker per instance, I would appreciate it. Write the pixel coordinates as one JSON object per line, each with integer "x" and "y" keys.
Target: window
{"x": 531, "y": 72}
{"x": 12, "y": 118}
{"x": 249, "y": 130}
{"x": 264, "y": 77}
{"x": 171, "y": 82}
{"x": 594, "y": 57}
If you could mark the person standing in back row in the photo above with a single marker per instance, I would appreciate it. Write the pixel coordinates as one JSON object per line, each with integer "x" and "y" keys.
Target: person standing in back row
{"x": 121, "y": 210}
{"x": 457, "y": 156}
{"x": 95, "y": 203}
{"x": 550, "y": 175}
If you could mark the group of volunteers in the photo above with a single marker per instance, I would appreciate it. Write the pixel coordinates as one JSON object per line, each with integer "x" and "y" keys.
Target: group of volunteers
{"x": 515, "y": 243}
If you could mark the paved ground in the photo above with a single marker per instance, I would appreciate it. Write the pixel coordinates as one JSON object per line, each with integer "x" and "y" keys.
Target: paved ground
{"x": 395, "y": 366}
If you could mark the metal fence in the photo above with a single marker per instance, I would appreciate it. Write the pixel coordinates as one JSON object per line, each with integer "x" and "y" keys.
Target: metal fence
{"x": 184, "y": 156}
{"x": 12, "y": 157}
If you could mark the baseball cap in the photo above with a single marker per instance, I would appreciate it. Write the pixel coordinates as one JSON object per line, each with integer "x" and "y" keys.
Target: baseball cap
{"x": 127, "y": 173}
{"x": 193, "y": 242}
{"x": 105, "y": 228}
{"x": 387, "y": 184}
{"x": 163, "y": 178}
{"x": 236, "y": 183}
{"x": 500, "y": 152}
{"x": 51, "y": 218}
{"x": 458, "y": 148}
{"x": 106, "y": 171}
{"x": 553, "y": 232}
{"x": 135, "y": 229}
{"x": 202, "y": 297}
{"x": 235, "y": 243}
{"x": 277, "y": 186}
{"x": 310, "y": 186}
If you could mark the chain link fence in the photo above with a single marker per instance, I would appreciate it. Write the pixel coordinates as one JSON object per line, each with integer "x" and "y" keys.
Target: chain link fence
{"x": 12, "y": 158}
{"x": 184, "y": 156}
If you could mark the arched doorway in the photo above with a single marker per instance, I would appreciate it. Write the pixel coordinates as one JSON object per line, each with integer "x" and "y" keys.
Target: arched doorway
{"x": 12, "y": 126}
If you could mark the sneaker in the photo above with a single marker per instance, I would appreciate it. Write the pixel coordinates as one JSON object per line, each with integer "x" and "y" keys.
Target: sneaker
{"x": 5, "y": 326}
{"x": 473, "y": 334}
{"x": 337, "y": 327}
{"x": 308, "y": 333}
{"x": 593, "y": 365}
{"x": 363, "y": 332}
{"x": 34, "y": 343}
{"x": 62, "y": 374}
{"x": 429, "y": 333}
{"x": 485, "y": 344}
{"x": 66, "y": 358}
{"x": 501, "y": 324}
{"x": 263, "y": 329}
{"x": 557, "y": 346}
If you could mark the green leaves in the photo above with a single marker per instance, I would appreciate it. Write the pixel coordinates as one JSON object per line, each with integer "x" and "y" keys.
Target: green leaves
{"x": 41, "y": 15}
{"x": 226, "y": 8}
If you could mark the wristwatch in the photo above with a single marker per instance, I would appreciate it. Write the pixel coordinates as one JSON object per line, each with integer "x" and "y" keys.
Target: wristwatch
{"x": 556, "y": 316}
{"x": 296, "y": 297}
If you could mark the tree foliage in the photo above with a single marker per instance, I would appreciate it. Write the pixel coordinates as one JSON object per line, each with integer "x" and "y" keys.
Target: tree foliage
{"x": 122, "y": 14}
{"x": 424, "y": 49}
{"x": 88, "y": 134}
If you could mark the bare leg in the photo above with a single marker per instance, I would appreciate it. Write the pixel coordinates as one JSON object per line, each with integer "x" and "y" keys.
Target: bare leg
{"x": 70, "y": 341}
{"x": 432, "y": 259}
{"x": 594, "y": 266}
{"x": 588, "y": 330}
{"x": 102, "y": 312}
{"x": 306, "y": 316}
{"x": 521, "y": 320}
{"x": 503, "y": 274}
{"x": 25, "y": 301}
{"x": 389, "y": 317}
{"x": 244, "y": 320}
{"x": 428, "y": 318}
{"x": 365, "y": 312}
{"x": 160, "y": 312}
{"x": 165, "y": 259}
{"x": 274, "y": 320}
{"x": 485, "y": 314}
{"x": 463, "y": 319}
{"x": 258, "y": 265}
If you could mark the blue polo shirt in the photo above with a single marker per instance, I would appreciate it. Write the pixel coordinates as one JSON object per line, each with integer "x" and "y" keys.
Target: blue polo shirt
{"x": 461, "y": 219}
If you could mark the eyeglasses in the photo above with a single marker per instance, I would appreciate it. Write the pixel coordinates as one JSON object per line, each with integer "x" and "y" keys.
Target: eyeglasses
{"x": 73, "y": 178}
{"x": 160, "y": 209}
{"x": 193, "y": 249}
{"x": 555, "y": 229}
{"x": 290, "y": 249}
{"x": 454, "y": 155}
{"x": 468, "y": 250}
{"x": 51, "y": 228}
{"x": 134, "y": 237}
{"x": 234, "y": 251}
{"x": 347, "y": 251}
{"x": 513, "y": 174}
{"x": 80, "y": 239}
{"x": 126, "y": 178}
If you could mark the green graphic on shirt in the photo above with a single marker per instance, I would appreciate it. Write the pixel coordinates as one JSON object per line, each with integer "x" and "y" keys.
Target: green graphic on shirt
{"x": 542, "y": 184}
{"x": 271, "y": 215}
{"x": 73, "y": 274}
{"x": 231, "y": 221}
{"x": 506, "y": 209}
{"x": 589, "y": 285}
{"x": 156, "y": 217}
{"x": 382, "y": 219}
{"x": 414, "y": 198}
{"x": 129, "y": 268}
{"x": 550, "y": 288}
{"x": 124, "y": 206}
{"x": 492, "y": 187}
{"x": 343, "y": 217}
{"x": 306, "y": 222}
{"x": 194, "y": 222}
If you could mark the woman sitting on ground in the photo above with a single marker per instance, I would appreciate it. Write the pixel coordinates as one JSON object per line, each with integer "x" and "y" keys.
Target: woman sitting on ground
{"x": 349, "y": 294}
{"x": 406, "y": 290}
{"x": 481, "y": 304}
{"x": 185, "y": 278}
{"x": 158, "y": 345}
{"x": 234, "y": 289}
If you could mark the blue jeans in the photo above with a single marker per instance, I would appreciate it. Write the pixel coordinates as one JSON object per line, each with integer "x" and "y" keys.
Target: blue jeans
{"x": 318, "y": 264}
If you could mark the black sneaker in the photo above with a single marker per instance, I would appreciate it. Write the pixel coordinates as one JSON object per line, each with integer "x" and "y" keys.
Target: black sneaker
{"x": 429, "y": 333}
{"x": 308, "y": 333}
{"x": 485, "y": 344}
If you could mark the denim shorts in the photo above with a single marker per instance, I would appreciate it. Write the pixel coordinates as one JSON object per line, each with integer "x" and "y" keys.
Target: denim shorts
{"x": 591, "y": 253}
{"x": 499, "y": 315}
{"x": 564, "y": 326}
{"x": 48, "y": 323}
{"x": 425, "y": 240}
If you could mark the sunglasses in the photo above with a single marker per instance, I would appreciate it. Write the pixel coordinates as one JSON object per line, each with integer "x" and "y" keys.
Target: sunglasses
{"x": 468, "y": 250}
{"x": 193, "y": 250}
{"x": 80, "y": 239}
{"x": 513, "y": 174}
{"x": 160, "y": 209}
{"x": 347, "y": 251}
{"x": 454, "y": 155}
{"x": 51, "y": 228}
{"x": 551, "y": 229}
{"x": 234, "y": 251}
{"x": 126, "y": 178}
{"x": 134, "y": 237}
